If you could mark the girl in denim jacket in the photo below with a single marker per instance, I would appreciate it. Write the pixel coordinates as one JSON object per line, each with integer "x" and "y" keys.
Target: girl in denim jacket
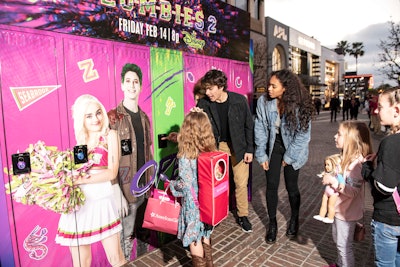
{"x": 282, "y": 134}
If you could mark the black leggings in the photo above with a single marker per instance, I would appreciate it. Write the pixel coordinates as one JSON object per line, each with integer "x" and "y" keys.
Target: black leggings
{"x": 273, "y": 178}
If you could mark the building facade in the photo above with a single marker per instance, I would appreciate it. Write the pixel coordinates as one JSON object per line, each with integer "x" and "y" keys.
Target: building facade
{"x": 320, "y": 69}
{"x": 279, "y": 46}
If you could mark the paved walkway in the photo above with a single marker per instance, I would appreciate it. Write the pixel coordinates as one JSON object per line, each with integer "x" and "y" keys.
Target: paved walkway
{"x": 312, "y": 247}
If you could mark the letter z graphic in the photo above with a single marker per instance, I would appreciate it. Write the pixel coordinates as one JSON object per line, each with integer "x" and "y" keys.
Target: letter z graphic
{"x": 89, "y": 73}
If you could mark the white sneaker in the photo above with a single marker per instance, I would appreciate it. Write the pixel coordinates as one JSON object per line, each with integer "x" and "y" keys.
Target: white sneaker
{"x": 319, "y": 218}
{"x": 327, "y": 220}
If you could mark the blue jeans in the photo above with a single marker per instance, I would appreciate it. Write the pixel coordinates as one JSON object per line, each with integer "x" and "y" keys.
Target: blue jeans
{"x": 386, "y": 244}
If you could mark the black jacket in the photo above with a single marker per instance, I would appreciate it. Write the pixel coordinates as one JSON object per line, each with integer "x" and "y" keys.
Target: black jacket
{"x": 240, "y": 122}
{"x": 334, "y": 104}
{"x": 387, "y": 173}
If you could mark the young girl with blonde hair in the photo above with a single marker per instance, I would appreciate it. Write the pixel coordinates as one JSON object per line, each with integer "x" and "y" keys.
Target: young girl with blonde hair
{"x": 195, "y": 136}
{"x": 385, "y": 180}
{"x": 353, "y": 138}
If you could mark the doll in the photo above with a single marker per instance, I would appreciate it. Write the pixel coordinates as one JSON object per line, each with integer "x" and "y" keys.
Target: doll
{"x": 332, "y": 167}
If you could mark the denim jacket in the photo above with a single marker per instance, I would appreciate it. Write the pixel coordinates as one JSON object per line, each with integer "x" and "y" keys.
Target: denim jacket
{"x": 296, "y": 144}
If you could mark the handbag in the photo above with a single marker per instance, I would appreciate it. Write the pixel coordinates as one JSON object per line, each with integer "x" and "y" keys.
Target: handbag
{"x": 359, "y": 232}
{"x": 161, "y": 213}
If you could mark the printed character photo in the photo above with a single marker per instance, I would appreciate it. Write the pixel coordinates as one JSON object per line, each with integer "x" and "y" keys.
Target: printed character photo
{"x": 97, "y": 220}
{"x": 133, "y": 128}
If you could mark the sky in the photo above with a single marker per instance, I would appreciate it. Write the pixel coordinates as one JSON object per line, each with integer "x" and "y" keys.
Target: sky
{"x": 330, "y": 22}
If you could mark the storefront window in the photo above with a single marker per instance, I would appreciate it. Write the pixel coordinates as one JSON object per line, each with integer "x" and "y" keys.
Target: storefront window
{"x": 276, "y": 59}
{"x": 256, "y": 9}
{"x": 296, "y": 60}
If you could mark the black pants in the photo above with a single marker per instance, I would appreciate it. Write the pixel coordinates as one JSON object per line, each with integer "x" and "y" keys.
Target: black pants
{"x": 333, "y": 114}
{"x": 273, "y": 178}
{"x": 345, "y": 112}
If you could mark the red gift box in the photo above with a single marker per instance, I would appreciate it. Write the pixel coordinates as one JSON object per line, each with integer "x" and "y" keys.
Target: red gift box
{"x": 213, "y": 180}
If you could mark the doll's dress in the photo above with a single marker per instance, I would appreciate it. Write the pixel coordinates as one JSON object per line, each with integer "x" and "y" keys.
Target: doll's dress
{"x": 330, "y": 189}
{"x": 98, "y": 217}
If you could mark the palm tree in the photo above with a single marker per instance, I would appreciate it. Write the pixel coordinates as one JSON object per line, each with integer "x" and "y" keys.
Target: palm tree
{"x": 357, "y": 51}
{"x": 342, "y": 48}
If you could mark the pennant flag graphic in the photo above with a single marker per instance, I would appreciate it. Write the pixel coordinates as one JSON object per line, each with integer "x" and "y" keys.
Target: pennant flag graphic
{"x": 27, "y": 95}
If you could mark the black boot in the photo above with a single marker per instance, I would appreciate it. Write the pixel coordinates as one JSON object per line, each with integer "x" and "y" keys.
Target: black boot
{"x": 272, "y": 231}
{"x": 293, "y": 227}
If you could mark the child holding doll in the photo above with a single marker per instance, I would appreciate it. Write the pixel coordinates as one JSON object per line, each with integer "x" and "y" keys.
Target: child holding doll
{"x": 194, "y": 137}
{"x": 354, "y": 141}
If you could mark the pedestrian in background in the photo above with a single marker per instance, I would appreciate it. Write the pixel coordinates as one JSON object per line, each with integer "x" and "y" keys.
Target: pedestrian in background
{"x": 354, "y": 106}
{"x": 334, "y": 105}
{"x": 385, "y": 180}
{"x": 233, "y": 127}
{"x": 374, "y": 117}
{"x": 282, "y": 133}
{"x": 317, "y": 104}
{"x": 353, "y": 139}
{"x": 195, "y": 136}
{"x": 346, "y": 107}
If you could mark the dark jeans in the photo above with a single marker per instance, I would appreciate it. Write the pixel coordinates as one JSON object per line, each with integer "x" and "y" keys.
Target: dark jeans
{"x": 353, "y": 113}
{"x": 333, "y": 114}
{"x": 345, "y": 112}
{"x": 273, "y": 178}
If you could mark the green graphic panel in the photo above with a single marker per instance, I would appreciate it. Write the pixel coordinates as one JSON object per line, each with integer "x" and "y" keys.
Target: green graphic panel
{"x": 167, "y": 97}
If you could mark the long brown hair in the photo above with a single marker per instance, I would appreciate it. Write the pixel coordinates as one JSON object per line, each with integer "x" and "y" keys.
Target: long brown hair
{"x": 296, "y": 100}
{"x": 195, "y": 135}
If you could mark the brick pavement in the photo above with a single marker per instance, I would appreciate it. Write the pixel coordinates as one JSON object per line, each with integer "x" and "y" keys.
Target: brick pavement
{"x": 312, "y": 247}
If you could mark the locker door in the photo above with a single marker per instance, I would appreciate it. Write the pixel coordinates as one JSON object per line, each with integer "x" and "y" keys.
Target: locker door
{"x": 195, "y": 68}
{"x": 241, "y": 80}
{"x": 88, "y": 70}
{"x": 32, "y": 95}
{"x": 167, "y": 95}
{"x": 139, "y": 55}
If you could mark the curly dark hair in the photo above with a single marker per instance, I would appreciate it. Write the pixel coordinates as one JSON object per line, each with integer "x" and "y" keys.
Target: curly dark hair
{"x": 296, "y": 100}
{"x": 214, "y": 77}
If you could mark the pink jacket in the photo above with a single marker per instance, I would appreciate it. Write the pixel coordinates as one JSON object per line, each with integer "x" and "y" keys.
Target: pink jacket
{"x": 350, "y": 203}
